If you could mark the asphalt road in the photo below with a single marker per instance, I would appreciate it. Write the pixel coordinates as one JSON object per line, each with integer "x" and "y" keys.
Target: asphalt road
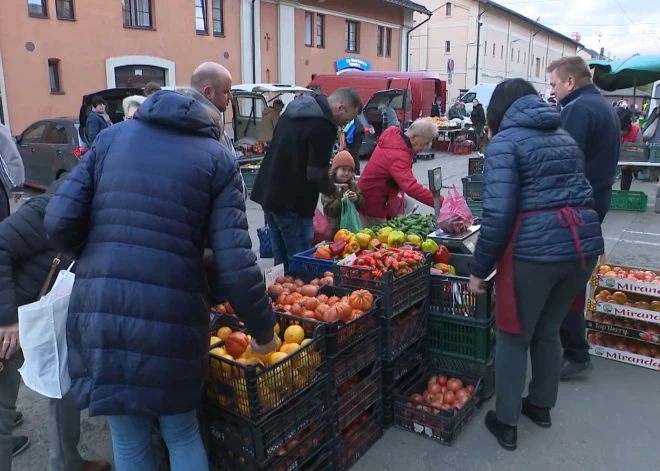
{"x": 609, "y": 422}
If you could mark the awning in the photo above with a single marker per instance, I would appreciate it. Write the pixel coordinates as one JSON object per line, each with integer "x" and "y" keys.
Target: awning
{"x": 410, "y": 6}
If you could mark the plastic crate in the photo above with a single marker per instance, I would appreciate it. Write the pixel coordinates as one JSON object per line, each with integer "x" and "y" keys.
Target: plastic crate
{"x": 633, "y": 153}
{"x": 440, "y": 425}
{"x": 256, "y": 392}
{"x": 457, "y": 367}
{"x": 249, "y": 176}
{"x": 397, "y": 372}
{"x": 475, "y": 165}
{"x": 354, "y": 359}
{"x": 473, "y": 186}
{"x": 397, "y": 293}
{"x": 475, "y": 207}
{"x": 629, "y": 200}
{"x": 450, "y": 294}
{"x": 306, "y": 263}
{"x": 461, "y": 150}
{"x": 353, "y": 442}
{"x": 654, "y": 152}
{"x": 358, "y": 394}
{"x": 402, "y": 331}
{"x": 237, "y": 443}
{"x": 461, "y": 337}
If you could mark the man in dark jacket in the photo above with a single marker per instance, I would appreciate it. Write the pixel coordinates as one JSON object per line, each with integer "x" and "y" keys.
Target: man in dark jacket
{"x": 26, "y": 258}
{"x": 478, "y": 118}
{"x": 135, "y": 213}
{"x": 97, "y": 120}
{"x": 594, "y": 125}
{"x": 296, "y": 168}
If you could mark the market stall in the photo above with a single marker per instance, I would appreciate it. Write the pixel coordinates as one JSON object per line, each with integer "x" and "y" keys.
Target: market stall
{"x": 449, "y": 131}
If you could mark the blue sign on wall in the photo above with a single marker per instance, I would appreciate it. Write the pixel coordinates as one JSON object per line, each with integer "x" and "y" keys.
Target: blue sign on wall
{"x": 353, "y": 63}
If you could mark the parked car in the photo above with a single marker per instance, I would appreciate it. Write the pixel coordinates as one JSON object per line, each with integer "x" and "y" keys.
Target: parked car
{"x": 50, "y": 148}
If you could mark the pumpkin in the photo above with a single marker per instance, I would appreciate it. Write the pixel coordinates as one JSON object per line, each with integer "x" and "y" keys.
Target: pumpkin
{"x": 310, "y": 303}
{"x": 296, "y": 309}
{"x": 309, "y": 315}
{"x": 327, "y": 280}
{"x": 280, "y": 299}
{"x": 320, "y": 310}
{"x": 330, "y": 315}
{"x": 332, "y": 300}
{"x": 343, "y": 311}
{"x": 236, "y": 344}
{"x": 361, "y": 299}
{"x": 308, "y": 290}
{"x": 289, "y": 299}
{"x": 356, "y": 313}
{"x": 323, "y": 299}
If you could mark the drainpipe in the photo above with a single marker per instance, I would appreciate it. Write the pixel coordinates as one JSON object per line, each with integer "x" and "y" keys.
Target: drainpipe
{"x": 408, "y": 41}
{"x": 254, "y": 44}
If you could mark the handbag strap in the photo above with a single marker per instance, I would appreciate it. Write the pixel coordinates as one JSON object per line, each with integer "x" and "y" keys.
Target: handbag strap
{"x": 49, "y": 278}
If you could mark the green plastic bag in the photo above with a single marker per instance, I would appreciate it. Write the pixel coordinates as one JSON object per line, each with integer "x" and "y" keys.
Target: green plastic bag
{"x": 350, "y": 219}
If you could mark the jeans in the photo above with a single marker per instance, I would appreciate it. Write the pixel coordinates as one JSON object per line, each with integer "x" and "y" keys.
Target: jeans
{"x": 290, "y": 234}
{"x": 131, "y": 440}
{"x": 541, "y": 309}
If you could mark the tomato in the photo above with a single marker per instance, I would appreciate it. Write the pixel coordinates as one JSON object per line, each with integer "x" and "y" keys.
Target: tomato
{"x": 434, "y": 388}
{"x": 449, "y": 398}
{"x": 446, "y": 407}
{"x": 462, "y": 393}
{"x": 442, "y": 380}
{"x": 470, "y": 389}
{"x": 454, "y": 384}
{"x": 417, "y": 397}
{"x": 433, "y": 379}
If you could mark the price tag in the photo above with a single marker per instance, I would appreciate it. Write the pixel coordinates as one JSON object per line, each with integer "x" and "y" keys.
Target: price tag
{"x": 348, "y": 261}
{"x": 271, "y": 274}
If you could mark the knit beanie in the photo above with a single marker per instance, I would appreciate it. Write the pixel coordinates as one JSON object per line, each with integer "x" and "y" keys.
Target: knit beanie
{"x": 343, "y": 159}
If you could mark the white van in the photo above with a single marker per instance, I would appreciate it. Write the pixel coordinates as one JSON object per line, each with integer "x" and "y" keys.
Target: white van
{"x": 481, "y": 92}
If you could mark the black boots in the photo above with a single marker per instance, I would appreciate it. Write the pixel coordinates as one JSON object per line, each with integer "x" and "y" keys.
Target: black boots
{"x": 538, "y": 415}
{"x": 507, "y": 435}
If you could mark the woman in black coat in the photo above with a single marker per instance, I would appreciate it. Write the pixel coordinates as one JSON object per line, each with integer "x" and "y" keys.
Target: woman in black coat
{"x": 539, "y": 229}
{"x": 478, "y": 118}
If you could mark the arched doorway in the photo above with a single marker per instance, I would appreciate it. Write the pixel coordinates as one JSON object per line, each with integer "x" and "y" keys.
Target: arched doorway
{"x": 137, "y": 76}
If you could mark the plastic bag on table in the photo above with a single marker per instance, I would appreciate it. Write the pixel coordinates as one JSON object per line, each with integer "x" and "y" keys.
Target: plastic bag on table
{"x": 395, "y": 205}
{"x": 350, "y": 219}
{"x": 322, "y": 231}
{"x": 455, "y": 215}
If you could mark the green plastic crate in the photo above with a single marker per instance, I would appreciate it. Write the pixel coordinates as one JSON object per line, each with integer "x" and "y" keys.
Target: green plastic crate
{"x": 629, "y": 200}
{"x": 475, "y": 207}
{"x": 249, "y": 176}
{"x": 461, "y": 337}
{"x": 654, "y": 152}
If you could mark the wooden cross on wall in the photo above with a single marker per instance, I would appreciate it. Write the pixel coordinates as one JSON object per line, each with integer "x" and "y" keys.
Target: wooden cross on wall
{"x": 267, "y": 38}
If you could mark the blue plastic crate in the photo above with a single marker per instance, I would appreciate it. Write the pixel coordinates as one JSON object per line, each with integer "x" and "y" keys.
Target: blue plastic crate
{"x": 305, "y": 262}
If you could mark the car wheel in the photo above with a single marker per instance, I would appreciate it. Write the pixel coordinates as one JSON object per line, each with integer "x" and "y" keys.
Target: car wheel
{"x": 61, "y": 174}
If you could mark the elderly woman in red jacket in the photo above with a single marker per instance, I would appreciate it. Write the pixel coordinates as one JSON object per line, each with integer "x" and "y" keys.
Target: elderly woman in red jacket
{"x": 390, "y": 170}
{"x": 631, "y": 133}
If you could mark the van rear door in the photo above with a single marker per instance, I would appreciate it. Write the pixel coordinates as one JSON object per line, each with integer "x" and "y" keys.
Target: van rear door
{"x": 401, "y": 103}
{"x": 394, "y": 98}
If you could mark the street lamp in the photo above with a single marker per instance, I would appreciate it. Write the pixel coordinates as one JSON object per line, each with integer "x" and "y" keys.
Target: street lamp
{"x": 476, "y": 64}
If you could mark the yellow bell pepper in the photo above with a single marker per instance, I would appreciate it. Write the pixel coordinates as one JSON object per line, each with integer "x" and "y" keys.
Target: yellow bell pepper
{"x": 429, "y": 246}
{"x": 362, "y": 239}
{"x": 343, "y": 234}
{"x": 369, "y": 232}
{"x": 414, "y": 239}
{"x": 352, "y": 246}
{"x": 396, "y": 239}
{"x": 384, "y": 233}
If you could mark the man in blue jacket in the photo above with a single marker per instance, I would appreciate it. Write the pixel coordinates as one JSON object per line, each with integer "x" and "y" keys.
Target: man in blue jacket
{"x": 97, "y": 120}
{"x": 594, "y": 125}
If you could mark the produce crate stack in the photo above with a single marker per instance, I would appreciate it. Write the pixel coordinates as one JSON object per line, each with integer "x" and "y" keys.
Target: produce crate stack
{"x": 623, "y": 315}
{"x": 461, "y": 333}
{"x": 268, "y": 411}
{"x": 475, "y": 165}
{"x": 472, "y": 191}
{"x": 397, "y": 372}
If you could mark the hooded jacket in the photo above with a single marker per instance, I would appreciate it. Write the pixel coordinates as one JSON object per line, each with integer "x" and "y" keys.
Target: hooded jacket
{"x": 532, "y": 165}
{"x": 26, "y": 256}
{"x": 135, "y": 213}
{"x": 389, "y": 171}
{"x": 297, "y": 163}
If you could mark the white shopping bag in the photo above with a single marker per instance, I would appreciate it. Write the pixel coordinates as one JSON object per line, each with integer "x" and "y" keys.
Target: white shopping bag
{"x": 42, "y": 332}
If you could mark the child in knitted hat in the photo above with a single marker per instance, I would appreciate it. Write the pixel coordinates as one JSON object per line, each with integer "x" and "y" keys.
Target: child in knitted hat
{"x": 342, "y": 173}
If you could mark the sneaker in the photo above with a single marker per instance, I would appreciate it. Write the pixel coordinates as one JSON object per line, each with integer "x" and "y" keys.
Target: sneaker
{"x": 570, "y": 369}
{"x": 21, "y": 443}
{"x": 539, "y": 415}
{"x": 507, "y": 435}
{"x": 19, "y": 419}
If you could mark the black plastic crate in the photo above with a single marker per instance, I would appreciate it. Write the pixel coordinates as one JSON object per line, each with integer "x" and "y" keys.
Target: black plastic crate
{"x": 473, "y": 186}
{"x": 397, "y": 372}
{"x": 475, "y": 165}
{"x": 457, "y": 367}
{"x": 358, "y": 394}
{"x": 404, "y": 330}
{"x": 440, "y": 425}
{"x": 290, "y": 435}
{"x": 356, "y": 439}
{"x": 363, "y": 353}
{"x": 254, "y": 391}
{"x": 450, "y": 294}
{"x": 461, "y": 337}
{"x": 397, "y": 293}
{"x": 633, "y": 153}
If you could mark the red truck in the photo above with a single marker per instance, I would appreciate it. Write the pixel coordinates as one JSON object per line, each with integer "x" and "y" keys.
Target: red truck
{"x": 410, "y": 94}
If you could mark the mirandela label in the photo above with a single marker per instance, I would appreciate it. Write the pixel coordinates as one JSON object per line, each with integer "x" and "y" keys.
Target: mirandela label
{"x": 625, "y": 357}
{"x": 628, "y": 312}
{"x": 629, "y": 285}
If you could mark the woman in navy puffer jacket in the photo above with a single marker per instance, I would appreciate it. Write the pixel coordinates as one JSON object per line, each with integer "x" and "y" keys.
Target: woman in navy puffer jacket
{"x": 135, "y": 213}
{"x": 539, "y": 229}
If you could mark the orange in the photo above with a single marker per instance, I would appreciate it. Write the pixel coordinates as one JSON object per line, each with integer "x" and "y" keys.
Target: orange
{"x": 289, "y": 348}
{"x": 224, "y": 332}
{"x": 275, "y": 357}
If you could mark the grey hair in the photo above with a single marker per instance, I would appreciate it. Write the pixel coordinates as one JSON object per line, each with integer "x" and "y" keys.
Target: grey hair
{"x": 133, "y": 101}
{"x": 426, "y": 127}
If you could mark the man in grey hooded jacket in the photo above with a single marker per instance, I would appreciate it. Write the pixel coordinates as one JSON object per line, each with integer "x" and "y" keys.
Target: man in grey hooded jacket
{"x": 12, "y": 172}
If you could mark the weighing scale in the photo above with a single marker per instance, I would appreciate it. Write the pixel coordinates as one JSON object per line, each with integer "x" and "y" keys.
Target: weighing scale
{"x": 463, "y": 243}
